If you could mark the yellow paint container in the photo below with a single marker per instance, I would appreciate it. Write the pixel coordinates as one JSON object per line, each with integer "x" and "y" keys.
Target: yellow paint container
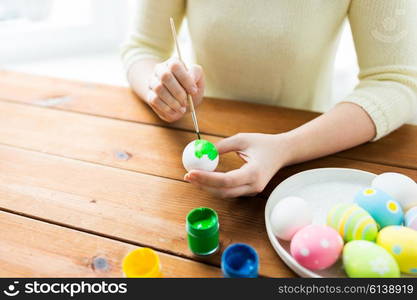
{"x": 142, "y": 263}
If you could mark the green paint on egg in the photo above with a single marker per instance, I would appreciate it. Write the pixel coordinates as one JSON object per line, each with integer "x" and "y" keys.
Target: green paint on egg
{"x": 204, "y": 147}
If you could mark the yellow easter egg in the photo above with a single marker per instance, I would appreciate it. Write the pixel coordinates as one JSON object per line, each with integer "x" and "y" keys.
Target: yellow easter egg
{"x": 401, "y": 242}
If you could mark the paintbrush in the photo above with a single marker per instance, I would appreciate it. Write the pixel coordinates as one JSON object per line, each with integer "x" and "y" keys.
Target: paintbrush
{"x": 190, "y": 99}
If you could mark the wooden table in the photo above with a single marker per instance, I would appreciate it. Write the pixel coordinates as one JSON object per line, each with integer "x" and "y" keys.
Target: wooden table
{"x": 87, "y": 171}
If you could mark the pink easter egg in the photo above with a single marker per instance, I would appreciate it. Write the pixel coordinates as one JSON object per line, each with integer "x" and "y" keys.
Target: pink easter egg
{"x": 316, "y": 247}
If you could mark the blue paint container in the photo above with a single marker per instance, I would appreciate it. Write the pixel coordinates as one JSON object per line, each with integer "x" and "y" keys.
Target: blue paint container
{"x": 240, "y": 261}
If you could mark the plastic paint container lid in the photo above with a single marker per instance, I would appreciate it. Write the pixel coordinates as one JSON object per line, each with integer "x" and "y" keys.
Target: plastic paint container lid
{"x": 240, "y": 261}
{"x": 202, "y": 225}
{"x": 141, "y": 263}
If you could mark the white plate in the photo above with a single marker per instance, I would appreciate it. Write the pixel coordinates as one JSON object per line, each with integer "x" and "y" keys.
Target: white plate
{"x": 321, "y": 188}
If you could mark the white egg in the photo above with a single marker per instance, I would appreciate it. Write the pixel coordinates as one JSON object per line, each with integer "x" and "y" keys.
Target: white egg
{"x": 290, "y": 215}
{"x": 200, "y": 155}
{"x": 402, "y": 188}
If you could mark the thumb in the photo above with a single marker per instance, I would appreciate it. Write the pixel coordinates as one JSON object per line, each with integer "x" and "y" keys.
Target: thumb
{"x": 234, "y": 143}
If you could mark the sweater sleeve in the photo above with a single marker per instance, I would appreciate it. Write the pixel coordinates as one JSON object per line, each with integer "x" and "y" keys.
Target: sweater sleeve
{"x": 151, "y": 35}
{"x": 385, "y": 36}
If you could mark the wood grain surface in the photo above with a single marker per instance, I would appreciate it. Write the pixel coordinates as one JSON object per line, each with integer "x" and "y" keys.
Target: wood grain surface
{"x": 128, "y": 206}
{"x": 132, "y": 146}
{"x": 139, "y": 208}
{"x": 32, "y": 248}
{"x": 216, "y": 116}
{"x": 91, "y": 166}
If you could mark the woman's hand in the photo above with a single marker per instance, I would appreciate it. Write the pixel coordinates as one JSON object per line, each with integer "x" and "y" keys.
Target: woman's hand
{"x": 168, "y": 88}
{"x": 264, "y": 155}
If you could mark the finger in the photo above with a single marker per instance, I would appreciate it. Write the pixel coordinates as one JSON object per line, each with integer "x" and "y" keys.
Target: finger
{"x": 183, "y": 77}
{"x": 156, "y": 103}
{"x": 166, "y": 96}
{"x": 169, "y": 117}
{"x": 196, "y": 73}
{"x": 175, "y": 89}
{"x": 236, "y": 142}
{"x": 229, "y": 179}
{"x": 242, "y": 190}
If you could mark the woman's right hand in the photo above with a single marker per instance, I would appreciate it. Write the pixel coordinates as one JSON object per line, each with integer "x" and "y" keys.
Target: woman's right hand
{"x": 168, "y": 88}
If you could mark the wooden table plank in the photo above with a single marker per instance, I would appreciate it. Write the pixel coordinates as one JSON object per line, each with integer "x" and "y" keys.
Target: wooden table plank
{"x": 99, "y": 140}
{"x": 30, "y": 248}
{"x": 125, "y": 205}
{"x": 139, "y": 208}
{"x": 217, "y": 117}
{"x": 144, "y": 148}
{"x": 21, "y": 127}
{"x": 397, "y": 149}
{"x": 133, "y": 207}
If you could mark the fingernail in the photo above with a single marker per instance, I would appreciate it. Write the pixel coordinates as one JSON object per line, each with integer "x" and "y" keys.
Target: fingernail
{"x": 194, "y": 90}
{"x": 183, "y": 110}
{"x": 187, "y": 177}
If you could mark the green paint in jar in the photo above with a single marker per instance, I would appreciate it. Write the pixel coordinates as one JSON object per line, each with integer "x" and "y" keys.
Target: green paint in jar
{"x": 202, "y": 226}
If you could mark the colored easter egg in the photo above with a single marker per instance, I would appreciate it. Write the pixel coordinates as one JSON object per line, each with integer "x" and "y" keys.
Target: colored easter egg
{"x": 401, "y": 242}
{"x": 200, "y": 155}
{"x": 290, "y": 215}
{"x": 316, "y": 247}
{"x": 381, "y": 206}
{"x": 366, "y": 259}
{"x": 411, "y": 218}
{"x": 402, "y": 188}
{"x": 352, "y": 222}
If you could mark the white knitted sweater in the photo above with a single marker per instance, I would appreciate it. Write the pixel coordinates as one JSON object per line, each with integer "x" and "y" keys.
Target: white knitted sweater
{"x": 281, "y": 52}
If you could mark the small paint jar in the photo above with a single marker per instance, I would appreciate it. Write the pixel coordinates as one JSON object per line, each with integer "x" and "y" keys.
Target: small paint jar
{"x": 240, "y": 261}
{"x": 141, "y": 263}
{"x": 202, "y": 225}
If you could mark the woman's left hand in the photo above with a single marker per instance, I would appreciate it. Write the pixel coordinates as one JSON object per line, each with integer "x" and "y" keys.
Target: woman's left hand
{"x": 264, "y": 155}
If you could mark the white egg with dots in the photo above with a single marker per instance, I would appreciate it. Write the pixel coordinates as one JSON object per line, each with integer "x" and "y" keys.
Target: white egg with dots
{"x": 290, "y": 215}
{"x": 200, "y": 155}
{"x": 402, "y": 188}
